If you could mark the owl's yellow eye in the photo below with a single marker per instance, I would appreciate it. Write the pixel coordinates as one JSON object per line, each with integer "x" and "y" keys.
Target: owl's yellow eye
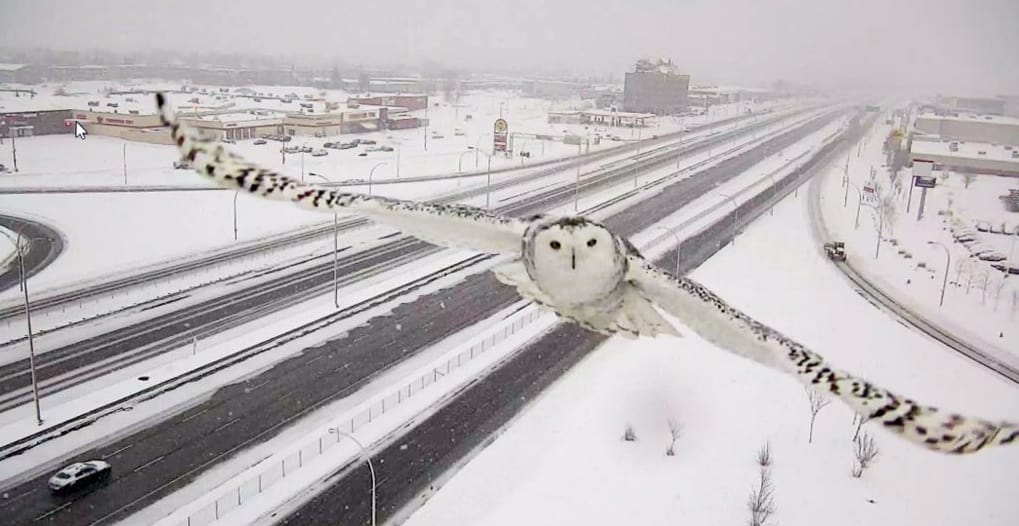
{"x": 555, "y": 245}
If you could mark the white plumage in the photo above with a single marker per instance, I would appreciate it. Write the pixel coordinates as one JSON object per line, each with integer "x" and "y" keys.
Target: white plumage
{"x": 585, "y": 273}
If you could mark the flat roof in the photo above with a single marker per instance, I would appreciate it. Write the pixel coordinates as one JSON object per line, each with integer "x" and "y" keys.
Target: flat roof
{"x": 240, "y": 116}
{"x": 12, "y": 67}
{"x": 972, "y": 117}
{"x": 967, "y": 150}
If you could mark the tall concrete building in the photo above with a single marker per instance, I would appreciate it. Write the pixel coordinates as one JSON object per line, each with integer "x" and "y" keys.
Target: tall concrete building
{"x": 655, "y": 87}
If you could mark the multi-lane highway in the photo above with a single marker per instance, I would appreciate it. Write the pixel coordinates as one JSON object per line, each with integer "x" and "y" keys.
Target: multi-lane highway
{"x": 409, "y": 469}
{"x": 83, "y": 360}
{"x": 536, "y": 171}
{"x": 152, "y": 462}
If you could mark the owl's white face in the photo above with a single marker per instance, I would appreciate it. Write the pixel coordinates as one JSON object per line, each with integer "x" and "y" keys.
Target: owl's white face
{"x": 576, "y": 264}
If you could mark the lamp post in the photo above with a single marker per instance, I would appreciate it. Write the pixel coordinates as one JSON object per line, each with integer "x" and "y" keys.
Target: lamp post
{"x": 477, "y": 146}
{"x": 28, "y": 317}
{"x": 336, "y": 250}
{"x": 679, "y": 144}
{"x": 859, "y": 203}
{"x": 235, "y": 214}
{"x": 125, "y": 163}
{"x": 636, "y": 163}
{"x": 302, "y": 161}
{"x": 367, "y": 458}
{"x": 488, "y": 184}
{"x": 735, "y": 217}
{"x": 948, "y": 263}
{"x": 678, "y": 243}
{"x": 370, "y": 172}
{"x": 576, "y": 185}
{"x": 460, "y": 161}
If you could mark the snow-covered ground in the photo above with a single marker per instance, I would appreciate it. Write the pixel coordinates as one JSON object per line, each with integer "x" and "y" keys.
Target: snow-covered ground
{"x": 564, "y": 459}
{"x": 988, "y": 317}
{"x": 63, "y": 160}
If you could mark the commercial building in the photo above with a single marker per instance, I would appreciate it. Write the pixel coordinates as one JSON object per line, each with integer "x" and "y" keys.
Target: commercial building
{"x": 967, "y": 143}
{"x": 411, "y": 101}
{"x": 655, "y": 88}
{"x": 30, "y": 123}
{"x": 602, "y": 118}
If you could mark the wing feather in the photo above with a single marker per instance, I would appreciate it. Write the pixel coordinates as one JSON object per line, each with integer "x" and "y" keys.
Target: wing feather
{"x": 450, "y": 225}
{"x": 716, "y": 321}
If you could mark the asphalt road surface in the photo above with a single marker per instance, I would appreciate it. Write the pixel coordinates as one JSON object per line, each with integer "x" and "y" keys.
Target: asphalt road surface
{"x": 42, "y": 252}
{"x": 407, "y": 468}
{"x": 155, "y": 461}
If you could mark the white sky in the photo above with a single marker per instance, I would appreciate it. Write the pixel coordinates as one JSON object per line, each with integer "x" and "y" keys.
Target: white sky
{"x": 969, "y": 47}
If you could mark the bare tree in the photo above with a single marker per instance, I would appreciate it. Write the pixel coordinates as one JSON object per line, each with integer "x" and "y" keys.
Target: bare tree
{"x": 858, "y": 419}
{"x": 764, "y": 456}
{"x": 817, "y": 402}
{"x": 675, "y": 430}
{"x": 761, "y": 503}
{"x": 629, "y": 434}
{"x": 967, "y": 179}
{"x": 996, "y": 286}
{"x": 865, "y": 450}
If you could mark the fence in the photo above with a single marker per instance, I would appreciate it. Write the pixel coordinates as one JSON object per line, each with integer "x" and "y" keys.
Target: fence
{"x": 279, "y": 470}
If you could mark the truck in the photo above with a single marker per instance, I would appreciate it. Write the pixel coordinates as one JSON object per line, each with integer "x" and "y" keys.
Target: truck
{"x": 835, "y": 250}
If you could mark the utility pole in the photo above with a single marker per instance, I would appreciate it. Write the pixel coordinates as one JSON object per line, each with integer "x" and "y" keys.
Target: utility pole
{"x": 125, "y": 163}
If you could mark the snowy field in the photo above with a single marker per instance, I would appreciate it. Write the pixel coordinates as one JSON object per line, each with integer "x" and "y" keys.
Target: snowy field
{"x": 988, "y": 316}
{"x": 564, "y": 460}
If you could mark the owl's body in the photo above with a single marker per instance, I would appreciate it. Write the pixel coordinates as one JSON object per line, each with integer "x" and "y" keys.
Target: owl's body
{"x": 582, "y": 271}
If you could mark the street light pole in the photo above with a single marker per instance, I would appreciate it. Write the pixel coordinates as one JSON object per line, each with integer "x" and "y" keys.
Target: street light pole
{"x": 28, "y": 321}
{"x": 576, "y": 186}
{"x": 859, "y": 203}
{"x": 370, "y": 172}
{"x": 302, "y": 161}
{"x": 678, "y": 243}
{"x": 367, "y": 458}
{"x": 735, "y": 217}
{"x": 125, "y": 163}
{"x": 636, "y": 164}
{"x": 336, "y": 250}
{"x": 948, "y": 263}
{"x": 460, "y": 161}
{"x": 235, "y": 214}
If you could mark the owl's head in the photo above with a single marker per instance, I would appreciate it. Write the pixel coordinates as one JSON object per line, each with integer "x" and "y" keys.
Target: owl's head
{"x": 574, "y": 257}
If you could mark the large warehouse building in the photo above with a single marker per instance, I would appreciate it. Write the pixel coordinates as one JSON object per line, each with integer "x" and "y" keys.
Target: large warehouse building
{"x": 967, "y": 143}
{"x": 655, "y": 87}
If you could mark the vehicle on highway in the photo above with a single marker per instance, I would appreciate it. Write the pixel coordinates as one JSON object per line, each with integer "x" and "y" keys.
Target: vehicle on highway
{"x": 79, "y": 475}
{"x": 836, "y": 250}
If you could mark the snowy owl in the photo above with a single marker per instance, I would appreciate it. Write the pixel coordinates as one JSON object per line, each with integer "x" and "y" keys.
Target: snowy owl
{"x": 579, "y": 269}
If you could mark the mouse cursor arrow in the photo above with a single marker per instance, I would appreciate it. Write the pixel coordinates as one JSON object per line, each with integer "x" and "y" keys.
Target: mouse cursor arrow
{"x": 79, "y": 131}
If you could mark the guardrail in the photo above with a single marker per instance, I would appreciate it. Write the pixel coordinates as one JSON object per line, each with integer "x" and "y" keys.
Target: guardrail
{"x": 277, "y": 471}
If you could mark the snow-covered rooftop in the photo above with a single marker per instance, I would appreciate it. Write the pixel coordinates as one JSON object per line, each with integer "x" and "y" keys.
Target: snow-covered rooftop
{"x": 966, "y": 150}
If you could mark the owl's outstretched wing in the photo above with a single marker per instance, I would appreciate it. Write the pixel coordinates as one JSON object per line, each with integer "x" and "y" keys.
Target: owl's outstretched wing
{"x": 449, "y": 225}
{"x": 727, "y": 327}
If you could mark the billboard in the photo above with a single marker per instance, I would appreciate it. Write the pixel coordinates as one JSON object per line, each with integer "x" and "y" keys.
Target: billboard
{"x": 925, "y": 182}
{"x": 500, "y": 134}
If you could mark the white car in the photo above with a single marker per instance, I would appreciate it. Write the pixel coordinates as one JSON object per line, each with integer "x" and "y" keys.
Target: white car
{"x": 80, "y": 474}
{"x": 318, "y": 152}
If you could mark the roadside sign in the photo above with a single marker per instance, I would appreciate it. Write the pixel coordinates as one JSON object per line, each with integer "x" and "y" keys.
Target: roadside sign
{"x": 925, "y": 182}
{"x": 500, "y": 135}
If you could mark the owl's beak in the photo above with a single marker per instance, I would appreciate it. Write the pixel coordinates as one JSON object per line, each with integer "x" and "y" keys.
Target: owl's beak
{"x": 573, "y": 259}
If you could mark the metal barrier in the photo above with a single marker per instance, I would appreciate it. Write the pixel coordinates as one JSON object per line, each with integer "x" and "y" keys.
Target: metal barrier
{"x": 277, "y": 471}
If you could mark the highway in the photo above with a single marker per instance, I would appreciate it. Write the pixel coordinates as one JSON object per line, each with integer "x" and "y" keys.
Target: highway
{"x": 48, "y": 245}
{"x": 89, "y": 358}
{"x": 409, "y": 469}
{"x": 152, "y": 462}
{"x": 189, "y": 264}
{"x": 884, "y": 301}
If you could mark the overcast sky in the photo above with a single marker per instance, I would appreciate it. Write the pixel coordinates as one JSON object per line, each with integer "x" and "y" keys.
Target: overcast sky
{"x": 951, "y": 46}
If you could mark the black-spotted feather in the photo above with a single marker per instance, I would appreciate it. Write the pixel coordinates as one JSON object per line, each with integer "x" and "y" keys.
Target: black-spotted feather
{"x": 722, "y": 324}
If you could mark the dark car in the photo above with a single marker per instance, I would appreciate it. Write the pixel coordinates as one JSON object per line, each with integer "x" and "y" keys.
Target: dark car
{"x": 259, "y": 141}
{"x": 79, "y": 475}
{"x": 366, "y": 141}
